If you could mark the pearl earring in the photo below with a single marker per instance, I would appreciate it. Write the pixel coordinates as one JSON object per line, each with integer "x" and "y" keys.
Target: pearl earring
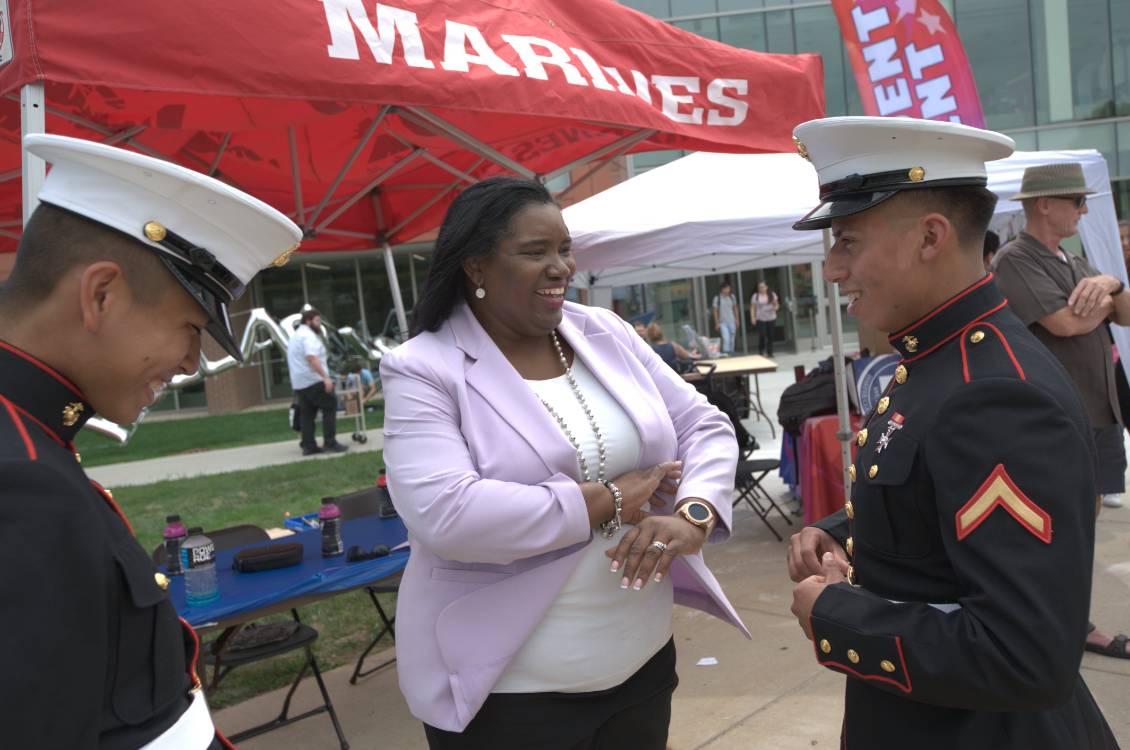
{"x": 480, "y": 293}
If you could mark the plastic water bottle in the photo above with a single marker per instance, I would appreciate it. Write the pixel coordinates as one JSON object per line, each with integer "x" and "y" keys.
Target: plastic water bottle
{"x": 175, "y": 534}
{"x": 330, "y": 516}
{"x": 198, "y": 559}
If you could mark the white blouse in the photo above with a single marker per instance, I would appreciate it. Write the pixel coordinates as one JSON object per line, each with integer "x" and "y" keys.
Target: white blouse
{"x": 595, "y": 635}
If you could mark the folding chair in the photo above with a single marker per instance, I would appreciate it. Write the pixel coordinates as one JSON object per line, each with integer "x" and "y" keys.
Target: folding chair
{"x": 223, "y": 659}
{"x": 354, "y": 505}
{"x": 747, "y": 482}
{"x": 750, "y": 472}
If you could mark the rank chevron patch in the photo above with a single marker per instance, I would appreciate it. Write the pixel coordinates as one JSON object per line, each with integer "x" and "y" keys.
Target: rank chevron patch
{"x": 1000, "y": 490}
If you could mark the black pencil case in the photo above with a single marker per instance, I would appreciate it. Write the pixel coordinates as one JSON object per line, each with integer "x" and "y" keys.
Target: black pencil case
{"x": 267, "y": 557}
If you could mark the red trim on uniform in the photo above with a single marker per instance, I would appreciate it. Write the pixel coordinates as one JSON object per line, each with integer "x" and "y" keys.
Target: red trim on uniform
{"x": 195, "y": 677}
{"x": 110, "y": 499}
{"x": 895, "y": 336}
{"x": 999, "y": 473}
{"x": 50, "y": 433}
{"x": 30, "y": 446}
{"x": 1019, "y": 369}
{"x": 45, "y": 367}
{"x": 908, "y": 687}
{"x": 950, "y": 338}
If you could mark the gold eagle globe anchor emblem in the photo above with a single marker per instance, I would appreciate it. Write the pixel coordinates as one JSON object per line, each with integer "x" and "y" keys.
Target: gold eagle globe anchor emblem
{"x": 72, "y": 412}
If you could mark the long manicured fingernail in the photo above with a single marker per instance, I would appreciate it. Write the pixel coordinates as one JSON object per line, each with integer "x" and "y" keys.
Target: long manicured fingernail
{"x": 658, "y": 577}
{"x": 638, "y": 584}
{"x": 624, "y": 582}
{"x": 615, "y": 566}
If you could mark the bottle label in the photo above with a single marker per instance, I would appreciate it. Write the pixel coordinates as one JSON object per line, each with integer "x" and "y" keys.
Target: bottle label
{"x": 201, "y": 555}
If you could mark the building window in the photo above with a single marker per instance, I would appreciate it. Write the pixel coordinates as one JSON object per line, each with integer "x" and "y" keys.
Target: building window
{"x": 997, "y": 43}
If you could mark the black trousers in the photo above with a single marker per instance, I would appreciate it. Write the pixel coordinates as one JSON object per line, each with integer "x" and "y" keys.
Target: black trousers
{"x": 765, "y": 337}
{"x": 634, "y": 715}
{"x": 1110, "y": 476}
{"x": 310, "y": 401}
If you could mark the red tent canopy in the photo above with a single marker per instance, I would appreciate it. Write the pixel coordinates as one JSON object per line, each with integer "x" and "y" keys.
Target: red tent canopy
{"x": 362, "y": 120}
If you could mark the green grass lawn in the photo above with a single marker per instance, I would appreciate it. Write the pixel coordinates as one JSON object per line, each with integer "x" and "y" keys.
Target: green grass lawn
{"x": 175, "y": 436}
{"x": 345, "y": 622}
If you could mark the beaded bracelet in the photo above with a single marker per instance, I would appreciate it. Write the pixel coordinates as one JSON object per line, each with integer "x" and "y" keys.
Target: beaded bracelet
{"x": 609, "y": 528}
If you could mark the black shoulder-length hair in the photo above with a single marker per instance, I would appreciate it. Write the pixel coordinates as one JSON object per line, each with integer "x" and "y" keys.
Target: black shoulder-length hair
{"x": 475, "y": 222}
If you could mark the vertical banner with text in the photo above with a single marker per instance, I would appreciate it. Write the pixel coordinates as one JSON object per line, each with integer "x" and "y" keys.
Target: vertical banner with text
{"x": 908, "y": 60}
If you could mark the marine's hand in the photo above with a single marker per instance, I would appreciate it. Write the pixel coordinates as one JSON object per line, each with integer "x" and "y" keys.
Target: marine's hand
{"x": 807, "y": 547}
{"x": 805, "y": 594}
{"x": 1089, "y": 293}
{"x": 638, "y": 558}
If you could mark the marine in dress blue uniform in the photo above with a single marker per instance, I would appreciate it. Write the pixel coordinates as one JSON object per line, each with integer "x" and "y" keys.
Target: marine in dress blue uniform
{"x": 969, "y": 532}
{"x": 96, "y": 656}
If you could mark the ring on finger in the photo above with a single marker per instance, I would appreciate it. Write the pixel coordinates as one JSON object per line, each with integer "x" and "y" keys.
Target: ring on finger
{"x": 661, "y": 546}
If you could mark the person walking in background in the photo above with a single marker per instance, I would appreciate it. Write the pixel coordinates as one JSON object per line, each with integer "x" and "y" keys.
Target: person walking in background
{"x": 725, "y": 311}
{"x": 313, "y": 387}
{"x": 669, "y": 351}
{"x": 526, "y": 439}
{"x": 953, "y": 587}
{"x": 1066, "y": 303}
{"x": 763, "y": 307}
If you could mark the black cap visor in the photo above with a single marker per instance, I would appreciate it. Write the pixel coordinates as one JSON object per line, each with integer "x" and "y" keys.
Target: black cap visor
{"x": 219, "y": 325}
{"x": 842, "y": 205}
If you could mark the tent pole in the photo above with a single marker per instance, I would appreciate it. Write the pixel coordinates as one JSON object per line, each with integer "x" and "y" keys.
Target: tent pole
{"x": 32, "y": 120}
{"x": 844, "y": 432}
{"x": 820, "y": 333}
{"x": 394, "y": 285}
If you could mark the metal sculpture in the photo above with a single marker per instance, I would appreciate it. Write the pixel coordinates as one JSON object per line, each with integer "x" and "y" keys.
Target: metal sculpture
{"x": 343, "y": 343}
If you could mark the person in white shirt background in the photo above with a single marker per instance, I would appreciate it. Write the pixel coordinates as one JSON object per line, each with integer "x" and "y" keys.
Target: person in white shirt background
{"x": 313, "y": 387}
{"x": 725, "y": 309}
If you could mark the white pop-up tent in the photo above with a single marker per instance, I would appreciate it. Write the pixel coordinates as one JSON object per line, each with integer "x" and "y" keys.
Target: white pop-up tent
{"x": 712, "y": 213}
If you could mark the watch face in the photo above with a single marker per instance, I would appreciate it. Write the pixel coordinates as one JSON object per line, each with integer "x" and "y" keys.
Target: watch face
{"x": 698, "y": 512}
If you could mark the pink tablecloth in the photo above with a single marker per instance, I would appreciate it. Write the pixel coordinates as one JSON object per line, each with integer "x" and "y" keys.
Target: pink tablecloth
{"x": 820, "y": 468}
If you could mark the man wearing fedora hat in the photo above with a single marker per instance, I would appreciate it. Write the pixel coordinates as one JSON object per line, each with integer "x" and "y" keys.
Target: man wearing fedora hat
{"x": 1066, "y": 303}
{"x": 122, "y": 268}
{"x": 953, "y": 586}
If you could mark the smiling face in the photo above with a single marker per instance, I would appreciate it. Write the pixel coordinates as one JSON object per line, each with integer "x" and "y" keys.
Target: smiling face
{"x": 875, "y": 260}
{"x": 526, "y": 276}
{"x": 141, "y": 347}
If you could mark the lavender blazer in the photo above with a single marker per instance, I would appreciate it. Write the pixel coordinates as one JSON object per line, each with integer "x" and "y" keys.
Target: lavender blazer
{"x": 486, "y": 483}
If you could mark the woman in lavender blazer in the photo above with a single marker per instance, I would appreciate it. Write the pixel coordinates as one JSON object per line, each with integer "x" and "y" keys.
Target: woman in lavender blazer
{"x": 534, "y": 445}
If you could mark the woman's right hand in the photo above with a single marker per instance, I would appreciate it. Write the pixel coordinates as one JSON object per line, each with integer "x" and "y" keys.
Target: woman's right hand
{"x": 639, "y": 487}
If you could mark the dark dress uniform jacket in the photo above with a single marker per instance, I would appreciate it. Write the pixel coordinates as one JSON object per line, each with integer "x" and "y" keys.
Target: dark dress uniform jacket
{"x": 970, "y": 532}
{"x": 95, "y": 655}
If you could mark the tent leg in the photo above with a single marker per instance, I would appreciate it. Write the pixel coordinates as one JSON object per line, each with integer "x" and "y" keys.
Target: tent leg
{"x": 394, "y": 285}
{"x": 819, "y": 292}
{"x": 844, "y": 432}
{"x": 33, "y": 119}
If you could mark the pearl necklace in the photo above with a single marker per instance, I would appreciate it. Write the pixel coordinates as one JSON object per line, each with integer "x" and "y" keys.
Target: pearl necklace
{"x": 588, "y": 413}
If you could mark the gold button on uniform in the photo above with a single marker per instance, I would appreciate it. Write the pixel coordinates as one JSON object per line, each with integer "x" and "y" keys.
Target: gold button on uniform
{"x": 825, "y": 646}
{"x": 154, "y": 231}
{"x": 849, "y": 509}
{"x": 162, "y": 580}
{"x": 861, "y": 437}
{"x": 916, "y": 174}
{"x": 849, "y": 545}
{"x": 887, "y": 666}
{"x": 900, "y": 374}
{"x": 873, "y": 471}
{"x": 851, "y": 472}
{"x": 884, "y": 402}
{"x": 977, "y": 337}
{"x": 851, "y": 575}
{"x": 78, "y": 457}
{"x": 853, "y": 656}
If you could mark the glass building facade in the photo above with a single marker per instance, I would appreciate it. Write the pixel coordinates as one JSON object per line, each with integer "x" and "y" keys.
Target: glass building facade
{"x": 1052, "y": 74}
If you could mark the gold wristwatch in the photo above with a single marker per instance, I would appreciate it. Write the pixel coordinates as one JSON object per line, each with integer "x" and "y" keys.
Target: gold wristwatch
{"x": 698, "y": 513}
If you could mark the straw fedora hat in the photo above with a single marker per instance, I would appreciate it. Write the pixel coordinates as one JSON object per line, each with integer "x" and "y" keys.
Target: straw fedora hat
{"x": 1050, "y": 180}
